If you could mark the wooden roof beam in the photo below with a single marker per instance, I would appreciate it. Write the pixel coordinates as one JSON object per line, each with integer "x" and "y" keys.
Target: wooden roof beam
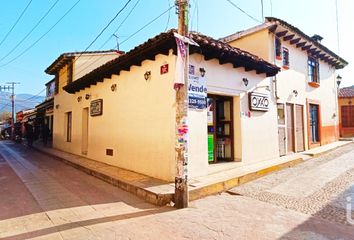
{"x": 282, "y": 34}
{"x": 273, "y": 28}
{"x": 300, "y": 44}
{"x": 236, "y": 64}
{"x": 248, "y": 68}
{"x": 295, "y": 41}
{"x": 306, "y": 47}
{"x": 260, "y": 71}
{"x": 289, "y": 37}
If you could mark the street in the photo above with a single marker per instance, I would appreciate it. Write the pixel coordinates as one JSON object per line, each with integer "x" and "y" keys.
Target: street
{"x": 43, "y": 198}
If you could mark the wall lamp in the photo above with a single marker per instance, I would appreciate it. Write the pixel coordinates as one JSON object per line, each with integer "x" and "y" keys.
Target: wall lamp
{"x": 79, "y": 99}
{"x": 245, "y": 81}
{"x": 339, "y": 80}
{"x": 87, "y": 96}
{"x": 202, "y": 71}
{"x": 295, "y": 92}
{"x": 114, "y": 87}
{"x": 147, "y": 75}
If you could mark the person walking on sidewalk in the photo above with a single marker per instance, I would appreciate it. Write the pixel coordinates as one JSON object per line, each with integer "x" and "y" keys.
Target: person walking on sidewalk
{"x": 45, "y": 134}
{"x": 29, "y": 134}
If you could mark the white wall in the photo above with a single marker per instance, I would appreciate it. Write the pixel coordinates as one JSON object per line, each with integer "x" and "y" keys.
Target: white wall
{"x": 138, "y": 120}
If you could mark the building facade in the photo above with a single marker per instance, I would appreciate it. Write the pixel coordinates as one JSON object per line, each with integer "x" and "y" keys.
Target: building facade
{"x": 305, "y": 89}
{"x": 346, "y": 111}
{"x": 123, "y": 113}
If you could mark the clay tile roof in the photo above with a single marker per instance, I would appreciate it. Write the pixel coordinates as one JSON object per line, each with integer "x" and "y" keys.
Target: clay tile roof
{"x": 162, "y": 44}
{"x": 347, "y": 92}
{"x": 341, "y": 62}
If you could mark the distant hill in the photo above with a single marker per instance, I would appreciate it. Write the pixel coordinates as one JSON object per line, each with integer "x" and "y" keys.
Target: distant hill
{"x": 23, "y": 101}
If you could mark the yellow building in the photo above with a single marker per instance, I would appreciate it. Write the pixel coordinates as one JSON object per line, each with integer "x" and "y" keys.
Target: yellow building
{"x": 346, "y": 111}
{"x": 123, "y": 112}
{"x": 305, "y": 89}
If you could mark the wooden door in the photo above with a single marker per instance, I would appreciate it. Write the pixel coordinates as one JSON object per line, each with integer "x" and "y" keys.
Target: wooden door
{"x": 299, "y": 128}
{"x": 290, "y": 127}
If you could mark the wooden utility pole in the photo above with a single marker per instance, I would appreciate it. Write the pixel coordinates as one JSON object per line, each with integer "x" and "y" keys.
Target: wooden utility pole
{"x": 181, "y": 180}
{"x": 12, "y": 106}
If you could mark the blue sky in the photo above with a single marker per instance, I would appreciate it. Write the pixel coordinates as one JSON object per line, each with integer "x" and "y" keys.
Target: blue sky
{"x": 216, "y": 18}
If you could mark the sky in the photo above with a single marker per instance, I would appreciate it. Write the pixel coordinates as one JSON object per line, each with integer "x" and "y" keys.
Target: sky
{"x": 81, "y": 25}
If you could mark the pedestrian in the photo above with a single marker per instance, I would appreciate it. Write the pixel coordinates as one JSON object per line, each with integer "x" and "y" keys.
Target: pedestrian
{"x": 45, "y": 134}
{"x": 29, "y": 134}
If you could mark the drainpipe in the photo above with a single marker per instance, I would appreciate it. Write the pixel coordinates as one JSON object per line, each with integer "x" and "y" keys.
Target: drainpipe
{"x": 275, "y": 77}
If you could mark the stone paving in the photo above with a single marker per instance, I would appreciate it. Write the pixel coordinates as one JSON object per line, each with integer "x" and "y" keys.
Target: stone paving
{"x": 319, "y": 187}
{"x": 69, "y": 204}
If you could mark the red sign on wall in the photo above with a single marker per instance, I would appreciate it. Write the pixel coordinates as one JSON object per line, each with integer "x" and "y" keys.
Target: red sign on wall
{"x": 164, "y": 69}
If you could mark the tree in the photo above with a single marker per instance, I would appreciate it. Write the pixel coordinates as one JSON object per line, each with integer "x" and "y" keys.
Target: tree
{"x": 5, "y": 116}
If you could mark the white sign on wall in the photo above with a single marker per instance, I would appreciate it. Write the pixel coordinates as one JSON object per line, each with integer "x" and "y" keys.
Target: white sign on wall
{"x": 258, "y": 101}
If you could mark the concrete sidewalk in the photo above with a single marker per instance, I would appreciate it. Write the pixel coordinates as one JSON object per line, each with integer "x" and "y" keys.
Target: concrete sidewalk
{"x": 224, "y": 177}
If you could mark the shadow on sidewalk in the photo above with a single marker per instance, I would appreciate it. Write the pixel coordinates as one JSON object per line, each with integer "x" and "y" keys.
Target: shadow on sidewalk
{"x": 85, "y": 223}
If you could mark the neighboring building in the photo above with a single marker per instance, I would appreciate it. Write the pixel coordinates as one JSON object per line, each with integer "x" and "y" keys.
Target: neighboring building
{"x": 123, "y": 113}
{"x": 346, "y": 111}
{"x": 45, "y": 111}
{"x": 305, "y": 89}
{"x": 67, "y": 68}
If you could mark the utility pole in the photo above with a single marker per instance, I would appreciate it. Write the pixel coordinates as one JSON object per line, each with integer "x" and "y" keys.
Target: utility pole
{"x": 181, "y": 180}
{"x": 12, "y": 88}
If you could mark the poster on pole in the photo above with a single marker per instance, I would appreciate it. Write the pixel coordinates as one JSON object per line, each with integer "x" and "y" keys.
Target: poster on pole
{"x": 197, "y": 90}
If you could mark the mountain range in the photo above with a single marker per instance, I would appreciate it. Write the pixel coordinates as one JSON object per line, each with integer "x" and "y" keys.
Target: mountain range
{"x": 23, "y": 101}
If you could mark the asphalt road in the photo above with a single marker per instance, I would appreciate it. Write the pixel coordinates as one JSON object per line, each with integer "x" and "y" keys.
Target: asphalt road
{"x": 43, "y": 198}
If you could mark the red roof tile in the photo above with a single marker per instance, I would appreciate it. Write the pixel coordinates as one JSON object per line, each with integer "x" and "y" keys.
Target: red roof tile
{"x": 347, "y": 92}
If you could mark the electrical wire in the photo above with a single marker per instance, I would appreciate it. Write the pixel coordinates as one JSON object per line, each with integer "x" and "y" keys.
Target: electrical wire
{"x": 169, "y": 16}
{"x": 146, "y": 25}
{"x": 29, "y": 33}
{"x": 36, "y": 95}
{"x": 104, "y": 29}
{"x": 14, "y": 25}
{"x": 109, "y": 23}
{"x": 253, "y": 18}
{"x": 130, "y": 36}
{"x": 43, "y": 35}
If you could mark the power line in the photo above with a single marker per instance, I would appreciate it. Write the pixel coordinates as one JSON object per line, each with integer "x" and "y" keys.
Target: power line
{"x": 104, "y": 29}
{"x": 40, "y": 38}
{"x": 109, "y": 23}
{"x": 233, "y": 4}
{"x": 149, "y": 23}
{"x": 104, "y": 44}
{"x": 29, "y": 33}
{"x": 169, "y": 16}
{"x": 337, "y": 27}
{"x": 25, "y": 100}
{"x": 13, "y": 26}
{"x": 146, "y": 25}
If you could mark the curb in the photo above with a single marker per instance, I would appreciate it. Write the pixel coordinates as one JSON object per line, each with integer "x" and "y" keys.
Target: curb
{"x": 226, "y": 185}
{"x": 148, "y": 196}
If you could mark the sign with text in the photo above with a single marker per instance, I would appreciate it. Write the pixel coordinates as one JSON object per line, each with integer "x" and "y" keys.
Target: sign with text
{"x": 96, "y": 107}
{"x": 258, "y": 101}
{"x": 197, "y": 92}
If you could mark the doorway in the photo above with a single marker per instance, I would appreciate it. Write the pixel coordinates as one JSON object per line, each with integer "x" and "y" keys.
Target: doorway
{"x": 290, "y": 127}
{"x": 299, "y": 128}
{"x": 84, "y": 137}
{"x": 314, "y": 123}
{"x": 281, "y": 129}
{"x": 220, "y": 129}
